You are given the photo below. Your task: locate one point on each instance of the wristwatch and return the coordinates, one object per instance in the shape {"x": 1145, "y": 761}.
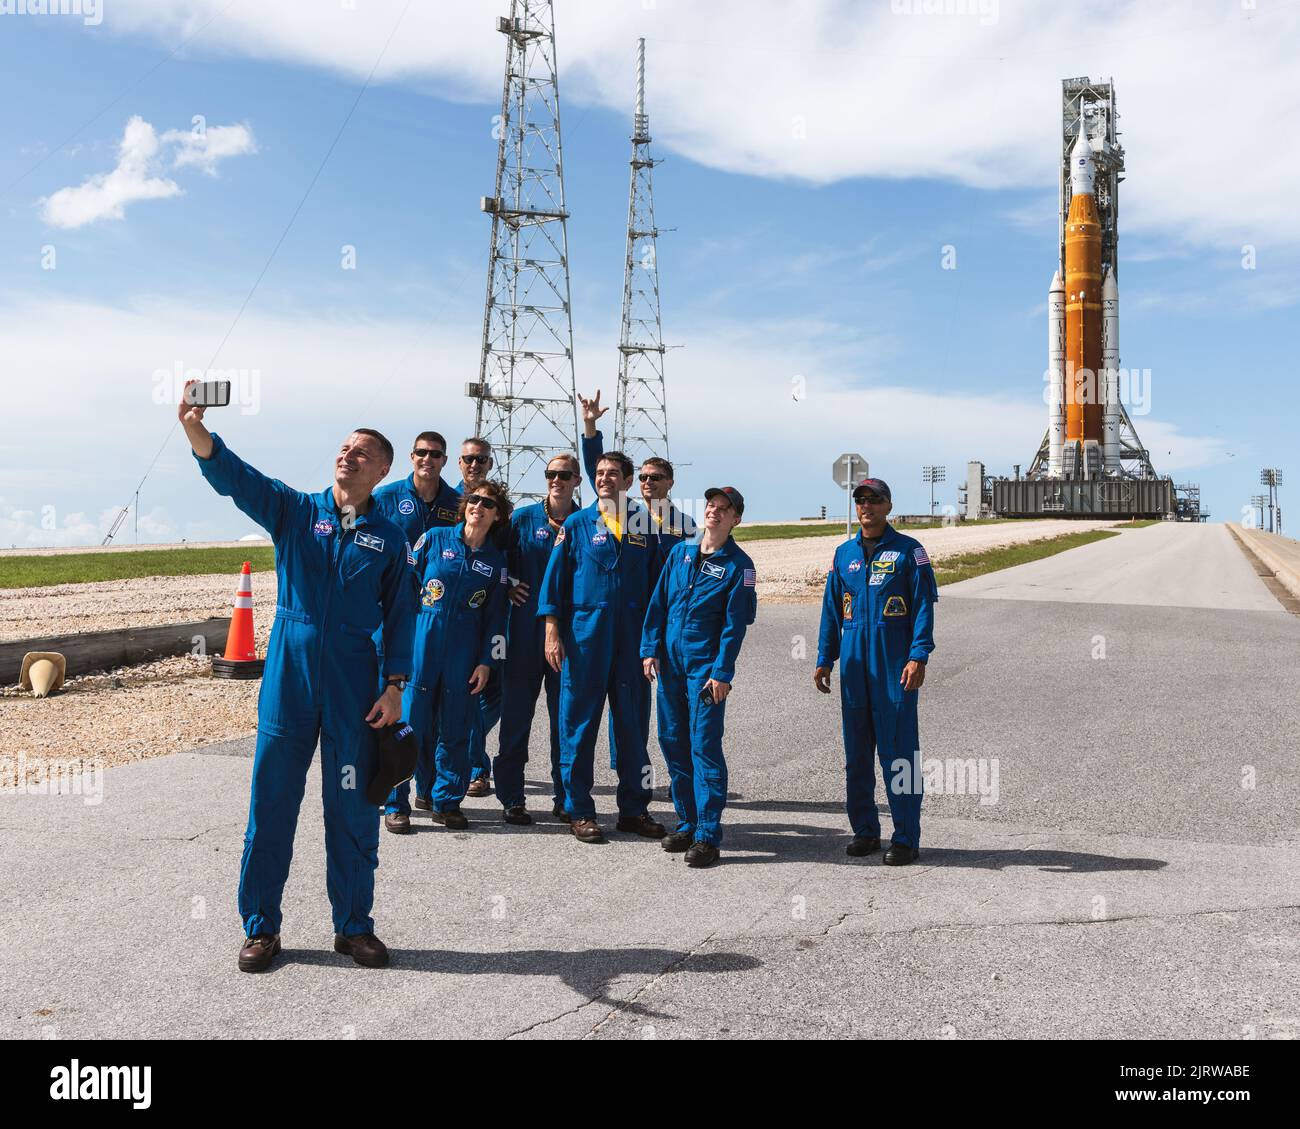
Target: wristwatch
{"x": 396, "y": 680}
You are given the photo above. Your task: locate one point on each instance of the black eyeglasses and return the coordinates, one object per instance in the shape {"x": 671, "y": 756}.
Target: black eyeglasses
{"x": 562, "y": 475}
{"x": 428, "y": 453}
{"x": 652, "y": 477}
{"x": 479, "y": 500}
{"x": 476, "y": 459}
{"x": 868, "y": 499}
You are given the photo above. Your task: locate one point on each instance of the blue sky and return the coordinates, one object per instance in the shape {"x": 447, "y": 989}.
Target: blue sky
{"x": 817, "y": 256}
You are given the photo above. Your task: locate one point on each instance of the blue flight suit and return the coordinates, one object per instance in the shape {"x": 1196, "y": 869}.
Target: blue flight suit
{"x": 672, "y": 530}
{"x": 526, "y": 670}
{"x": 461, "y": 625}
{"x": 597, "y": 586}
{"x": 339, "y": 577}
{"x": 401, "y": 503}
{"x": 878, "y": 615}
{"x": 484, "y": 719}
{"x": 694, "y": 626}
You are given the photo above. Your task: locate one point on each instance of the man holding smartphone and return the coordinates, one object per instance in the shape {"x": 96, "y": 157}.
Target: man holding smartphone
{"x": 704, "y": 601}
{"x": 342, "y": 570}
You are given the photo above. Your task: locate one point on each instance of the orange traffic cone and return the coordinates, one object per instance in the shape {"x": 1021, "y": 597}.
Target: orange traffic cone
{"x": 240, "y": 659}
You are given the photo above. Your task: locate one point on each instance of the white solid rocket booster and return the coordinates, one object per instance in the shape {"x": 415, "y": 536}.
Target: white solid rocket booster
{"x": 1055, "y": 375}
{"x": 1110, "y": 373}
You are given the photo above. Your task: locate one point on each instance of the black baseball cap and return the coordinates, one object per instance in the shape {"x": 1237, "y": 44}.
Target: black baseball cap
{"x": 734, "y": 496}
{"x": 874, "y": 486}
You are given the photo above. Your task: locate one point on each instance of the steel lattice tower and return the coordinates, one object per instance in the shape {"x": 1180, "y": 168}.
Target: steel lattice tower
{"x": 525, "y": 392}
{"x": 641, "y": 423}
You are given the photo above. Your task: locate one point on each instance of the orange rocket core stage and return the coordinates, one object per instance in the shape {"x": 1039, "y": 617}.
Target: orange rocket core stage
{"x": 1082, "y": 320}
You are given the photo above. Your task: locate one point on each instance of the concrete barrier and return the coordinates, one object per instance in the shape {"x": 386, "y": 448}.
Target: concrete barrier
{"x": 1280, "y": 555}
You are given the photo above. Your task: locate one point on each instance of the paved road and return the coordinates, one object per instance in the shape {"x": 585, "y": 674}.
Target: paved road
{"x": 1124, "y": 883}
{"x": 1171, "y": 565}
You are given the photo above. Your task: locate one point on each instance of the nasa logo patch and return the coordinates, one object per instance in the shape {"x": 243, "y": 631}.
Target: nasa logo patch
{"x": 600, "y": 538}
{"x": 323, "y": 528}
{"x": 541, "y": 534}
{"x": 855, "y": 566}
{"x": 449, "y": 554}
{"x": 406, "y": 506}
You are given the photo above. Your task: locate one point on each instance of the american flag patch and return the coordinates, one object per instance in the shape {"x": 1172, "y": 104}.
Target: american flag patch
{"x": 410, "y": 556}
{"x": 918, "y": 554}
{"x": 749, "y": 578}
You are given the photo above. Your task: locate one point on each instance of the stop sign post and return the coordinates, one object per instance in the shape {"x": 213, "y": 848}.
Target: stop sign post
{"x": 847, "y": 471}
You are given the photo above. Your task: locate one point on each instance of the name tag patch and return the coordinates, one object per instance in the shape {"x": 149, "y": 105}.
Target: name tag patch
{"x": 882, "y": 565}
{"x": 370, "y": 541}
{"x": 446, "y": 515}
{"x": 636, "y": 539}
{"x": 485, "y": 569}
{"x": 711, "y": 569}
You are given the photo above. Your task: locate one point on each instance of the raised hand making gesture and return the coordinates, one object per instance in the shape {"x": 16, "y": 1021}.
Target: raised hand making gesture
{"x": 591, "y": 412}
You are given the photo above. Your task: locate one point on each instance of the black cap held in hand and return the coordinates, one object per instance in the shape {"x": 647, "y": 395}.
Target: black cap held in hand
{"x": 395, "y": 751}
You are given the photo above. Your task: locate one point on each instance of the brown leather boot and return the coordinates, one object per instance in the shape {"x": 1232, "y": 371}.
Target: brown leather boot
{"x": 397, "y": 823}
{"x": 587, "y": 831}
{"x": 479, "y": 787}
{"x": 641, "y": 825}
{"x": 364, "y": 948}
{"x": 258, "y": 952}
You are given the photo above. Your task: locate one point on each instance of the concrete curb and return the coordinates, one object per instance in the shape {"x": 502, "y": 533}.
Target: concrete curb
{"x": 1272, "y": 565}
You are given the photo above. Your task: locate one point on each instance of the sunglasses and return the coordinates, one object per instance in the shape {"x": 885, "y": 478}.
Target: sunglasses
{"x": 428, "y": 453}
{"x": 652, "y": 477}
{"x": 475, "y": 459}
{"x": 562, "y": 475}
{"x": 868, "y": 499}
{"x": 479, "y": 500}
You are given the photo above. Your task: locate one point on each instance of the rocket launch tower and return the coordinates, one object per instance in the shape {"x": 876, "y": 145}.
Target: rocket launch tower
{"x": 1091, "y": 461}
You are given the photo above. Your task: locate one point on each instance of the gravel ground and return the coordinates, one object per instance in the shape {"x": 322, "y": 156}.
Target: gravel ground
{"x": 136, "y": 712}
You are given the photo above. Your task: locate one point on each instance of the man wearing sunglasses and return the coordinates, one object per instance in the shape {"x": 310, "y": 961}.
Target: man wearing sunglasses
{"x": 656, "y": 516}
{"x": 341, "y": 571}
{"x": 421, "y": 501}
{"x": 534, "y": 534}
{"x": 475, "y": 463}
{"x": 593, "y": 597}
{"x": 878, "y": 619}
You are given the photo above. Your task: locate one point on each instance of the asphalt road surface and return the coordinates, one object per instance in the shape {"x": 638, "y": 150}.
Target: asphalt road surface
{"x": 1130, "y": 870}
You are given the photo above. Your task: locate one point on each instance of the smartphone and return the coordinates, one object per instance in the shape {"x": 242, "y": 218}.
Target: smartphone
{"x": 706, "y": 697}
{"x": 208, "y": 394}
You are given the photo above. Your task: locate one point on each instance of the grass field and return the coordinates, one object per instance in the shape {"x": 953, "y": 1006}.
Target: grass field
{"x": 969, "y": 565}
{"x": 1142, "y": 524}
{"x": 81, "y": 568}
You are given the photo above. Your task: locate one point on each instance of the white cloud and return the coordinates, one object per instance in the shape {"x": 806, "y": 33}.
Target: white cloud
{"x": 138, "y": 174}
{"x": 821, "y": 90}
{"x": 106, "y": 195}
{"x": 205, "y": 147}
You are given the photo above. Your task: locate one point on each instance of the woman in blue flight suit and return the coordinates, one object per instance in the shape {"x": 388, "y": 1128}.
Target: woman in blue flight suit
{"x": 459, "y": 638}
{"x": 878, "y": 619}
{"x": 705, "y": 600}
{"x": 534, "y": 531}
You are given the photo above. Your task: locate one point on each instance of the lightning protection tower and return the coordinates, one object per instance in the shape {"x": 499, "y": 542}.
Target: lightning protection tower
{"x": 525, "y": 392}
{"x": 641, "y": 423}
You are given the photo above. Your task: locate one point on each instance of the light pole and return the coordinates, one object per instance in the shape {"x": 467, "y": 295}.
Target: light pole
{"x": 933, "y": 474}
{"x": 1258, "y": 501}
{"x": 1272, "y": 478}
